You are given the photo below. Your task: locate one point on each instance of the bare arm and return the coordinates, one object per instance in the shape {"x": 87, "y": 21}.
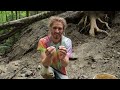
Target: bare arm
{"x": 45, "y": 60}
{"x": 46, "y": 56}
{"x": 62, "y": 55}
{"x": 65, "y": 61}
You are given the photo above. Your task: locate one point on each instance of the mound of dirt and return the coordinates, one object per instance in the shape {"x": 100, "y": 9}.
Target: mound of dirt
{"x": 96, "y": 56}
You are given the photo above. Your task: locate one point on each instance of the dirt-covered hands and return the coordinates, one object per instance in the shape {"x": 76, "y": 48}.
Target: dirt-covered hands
{"x": 62, "y": 52}
{"x": 50, "y": 51}
{"x": 62, "y": 55}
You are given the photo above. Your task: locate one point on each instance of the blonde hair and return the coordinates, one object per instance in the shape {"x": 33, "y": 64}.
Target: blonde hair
{"x": 59, "y": 19}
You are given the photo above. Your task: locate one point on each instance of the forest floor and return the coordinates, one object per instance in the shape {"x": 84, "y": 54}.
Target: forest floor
{"x": 95, "y": 55}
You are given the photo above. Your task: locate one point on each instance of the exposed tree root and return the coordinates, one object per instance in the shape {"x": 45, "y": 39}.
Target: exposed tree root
{"x": 93, "y": 24}
{"x": 104, "y": 23}
{"x": 84, "y": 21}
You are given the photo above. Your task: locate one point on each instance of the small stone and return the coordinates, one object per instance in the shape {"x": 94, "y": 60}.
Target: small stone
{"x": 0, "y": 57}
{"x": 74, "y": 56}
{"x": 118, "y": 53}
{"x": 1, "y": 71}
{"x": 39, "y": 67}
{"x": 105, "y": 61}
{"x": 107, "y": 58}
{"x": 82, "y": 77}
{"x": 81, "y": 65}
{"x": 98, "y": 56}
{"x": 20, "y": 78}
{"x": 73, "y": 66}
{"x": 93, "y": 66}
{"x": 22, "y": 75}
{"x": 28, "y": 73}
{"x": 118, "y": 66}
{"x": 16, "y": 63}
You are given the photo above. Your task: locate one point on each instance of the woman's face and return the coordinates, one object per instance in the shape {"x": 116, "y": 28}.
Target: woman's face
{"x": 57, "y": 30}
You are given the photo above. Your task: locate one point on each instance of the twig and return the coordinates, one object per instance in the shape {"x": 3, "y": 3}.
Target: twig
{"x": 16, "y": 73}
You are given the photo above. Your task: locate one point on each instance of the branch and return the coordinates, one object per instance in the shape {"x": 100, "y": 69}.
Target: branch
{"x": 13, "y": 75}
{"x": 104, "y": 23}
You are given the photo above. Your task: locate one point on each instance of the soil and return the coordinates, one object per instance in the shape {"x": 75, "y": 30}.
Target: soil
{"x": 100, "y": 54}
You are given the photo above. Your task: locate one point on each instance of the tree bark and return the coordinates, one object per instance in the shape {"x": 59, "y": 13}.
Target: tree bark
{"x": 16, "y": 15}
{"x": 1, "y": 16}
{"x": 6, "y": 16}
{"x": 12, "y": 15}
{"x": 27, "y": 13}
{"x": 11, "y": 33}
{"x": 19, "y": 16}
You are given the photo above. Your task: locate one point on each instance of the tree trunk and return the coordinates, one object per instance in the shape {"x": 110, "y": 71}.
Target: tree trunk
{"x": 27, "y": 13}
{"x": 29, "y": 20}
{"x": 12, "y": 15}
{"x": 6, "y": 16}
{"x": 1, "y": 17}
{"x": 19, "y": 16}
{"x": 16, "y": 15}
